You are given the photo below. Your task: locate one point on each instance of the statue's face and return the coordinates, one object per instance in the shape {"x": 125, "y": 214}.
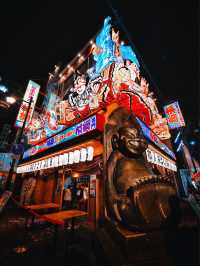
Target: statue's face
{"x": 131, "y": 141}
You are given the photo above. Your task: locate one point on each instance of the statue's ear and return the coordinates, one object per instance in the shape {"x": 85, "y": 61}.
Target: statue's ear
{"x": 114, "y": 141}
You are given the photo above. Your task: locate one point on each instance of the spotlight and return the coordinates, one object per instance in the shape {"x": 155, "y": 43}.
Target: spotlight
{"x": 192, "y": 142}
{"x": 3, "y": 88}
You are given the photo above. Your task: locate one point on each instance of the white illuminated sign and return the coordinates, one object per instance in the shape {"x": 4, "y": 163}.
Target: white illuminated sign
{"x": 31, "y": 93}
{"x": 156, "y": 158}
{"x": 83, "y": 155}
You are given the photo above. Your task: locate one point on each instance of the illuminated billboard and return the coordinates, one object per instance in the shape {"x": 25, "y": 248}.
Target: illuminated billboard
{"x": 174, "y": 115}
{"x": 150, "y": 135}
{"x": 108, "y": 73}
{"x": 31, "y": 93}
{"x": 86, "y": 126}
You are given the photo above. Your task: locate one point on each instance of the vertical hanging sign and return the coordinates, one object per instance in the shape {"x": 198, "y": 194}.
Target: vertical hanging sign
{"x": 174, "y": 115}
{"x": 31, "y": 92}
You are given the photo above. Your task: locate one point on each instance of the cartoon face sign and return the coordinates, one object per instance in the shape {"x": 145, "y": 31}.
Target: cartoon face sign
{"x": 80, "y": 85}
{"x": 124, "y": 74}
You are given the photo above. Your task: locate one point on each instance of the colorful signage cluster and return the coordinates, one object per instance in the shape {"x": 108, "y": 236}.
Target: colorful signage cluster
{"x": 114, "y": 76}
{"x": 82, "y": 155}
{"x": 158, "y": 159}
{"x": 84, "y": 127}
{"x": 31, "y": 94}
{"x": 174, "y": 115}
{"x": 155, "y": 139}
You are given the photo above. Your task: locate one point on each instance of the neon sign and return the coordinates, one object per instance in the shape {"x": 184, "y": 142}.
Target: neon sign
{"x": 113, "y": 76}
{"x": 174, "y": 115}
{"x": 88, "y": 125}
{"x": 158, "y": 159}
{"x": 31, "y": 93}
{"x": 155, "y": 139}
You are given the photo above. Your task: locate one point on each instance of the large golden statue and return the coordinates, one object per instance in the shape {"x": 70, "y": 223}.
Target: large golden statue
{"x": 136, "y": 196}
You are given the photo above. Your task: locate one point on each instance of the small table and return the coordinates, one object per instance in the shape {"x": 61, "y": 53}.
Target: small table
{"x": 61, "y": 217}
{"x": 42, "y": 206}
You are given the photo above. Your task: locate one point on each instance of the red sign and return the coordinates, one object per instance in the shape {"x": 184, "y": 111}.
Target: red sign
{"x": 31, "y": 93}
{"x": 174, "y": 115}
{"x": 196, "y": 176}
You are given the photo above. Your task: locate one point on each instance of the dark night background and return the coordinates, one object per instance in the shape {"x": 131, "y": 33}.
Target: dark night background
{"x": 35, "y": 35}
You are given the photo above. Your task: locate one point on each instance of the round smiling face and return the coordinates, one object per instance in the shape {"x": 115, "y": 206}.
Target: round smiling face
{"x": 80, "y": 85}
{"x": 131, "y": 141}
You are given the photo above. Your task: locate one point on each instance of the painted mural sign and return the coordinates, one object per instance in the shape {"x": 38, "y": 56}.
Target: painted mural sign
{"x": 174, "y": 115}
{"x": 31, "y": 93}
{"x": 84, "y": 127}
{"x": 113, "y": 76}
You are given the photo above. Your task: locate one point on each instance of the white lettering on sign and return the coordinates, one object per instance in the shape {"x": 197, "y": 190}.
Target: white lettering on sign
{"x": 82, "y": 155}
{"x": 158, "y": 159}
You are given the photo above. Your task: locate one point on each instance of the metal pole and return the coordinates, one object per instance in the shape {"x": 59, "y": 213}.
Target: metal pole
{"x": 17, "y": 141}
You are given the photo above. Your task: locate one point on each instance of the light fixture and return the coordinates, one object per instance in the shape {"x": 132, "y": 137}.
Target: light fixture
{"x": 10, "y": 99}
{"x": 3, "y": 88}
{"x": 122, "y": 43}
{"x": 75, "y": 175}
{"x": 91, "y": 42}
{"x": 192, "y": 142}
{"x": 79, "y": 55}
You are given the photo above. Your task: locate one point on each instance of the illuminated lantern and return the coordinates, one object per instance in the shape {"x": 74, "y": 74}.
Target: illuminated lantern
{"x": 65, "y": 158}
{"x": 56, "y": 158}
{"x": 71, "y": 157}
{"x": 83, "y": 155}
{"x": 61, "y": 157}
{"x": 46, "y": 164}
{"x": 76, "y": 156}
{"x": 90, "y": 153}
{"x": 39, "y": 165}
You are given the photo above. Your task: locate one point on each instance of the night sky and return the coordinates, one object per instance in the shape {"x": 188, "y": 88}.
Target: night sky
{"x": 35, "y": 35}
